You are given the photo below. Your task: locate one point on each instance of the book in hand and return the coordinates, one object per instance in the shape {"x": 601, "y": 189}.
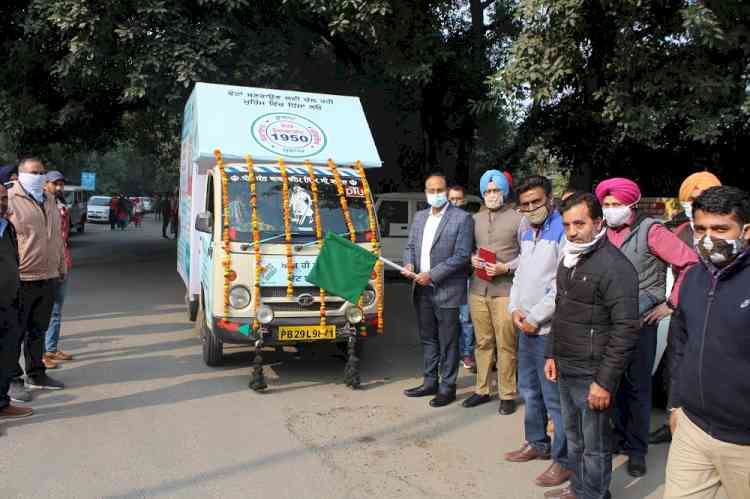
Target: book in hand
{"x": 486, "y": 256}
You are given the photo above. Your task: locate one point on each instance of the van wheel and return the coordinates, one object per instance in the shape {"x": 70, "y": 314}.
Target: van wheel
{"x": 213, "y": 349}
{"x": 343, "y": 348}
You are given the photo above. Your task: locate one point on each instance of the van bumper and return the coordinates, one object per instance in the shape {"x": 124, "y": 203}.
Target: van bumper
{"x": 230, "y": 331}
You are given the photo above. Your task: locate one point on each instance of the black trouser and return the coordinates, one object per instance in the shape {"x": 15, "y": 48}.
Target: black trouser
{"x": 10, "y": 334}
{"x": 632, "y": 415}
{"x": 36, "y": 299}
{"x": 438, "y": 330}
{"x": 164, "y": 225}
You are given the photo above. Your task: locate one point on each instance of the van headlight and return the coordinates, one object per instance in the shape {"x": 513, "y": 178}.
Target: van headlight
{"x": 239, "y": 297}
{"x": 368, "y": 297}
{"x": 264, "y": 314}
{"x": 354, "y": 315}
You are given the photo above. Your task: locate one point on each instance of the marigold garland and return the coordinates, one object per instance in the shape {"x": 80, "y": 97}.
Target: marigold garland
{"x": 227, "y": 260}
{"x": 318, "y": 233}
{"x": 342, "y": 201}
{"x": 287, "y": 229}
{"x": 251, "y": 182}
{"x": 375, "y": 246}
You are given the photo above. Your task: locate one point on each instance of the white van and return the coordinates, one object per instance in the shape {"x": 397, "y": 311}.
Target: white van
{"x": 97, "y": 209}
{"x": 395, "y": 213}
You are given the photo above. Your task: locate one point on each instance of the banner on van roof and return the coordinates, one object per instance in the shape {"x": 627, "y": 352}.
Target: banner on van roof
{"x": 272, "y": 124}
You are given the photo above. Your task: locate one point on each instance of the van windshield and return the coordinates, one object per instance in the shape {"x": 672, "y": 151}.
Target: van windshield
{"x": 302, "y": 226}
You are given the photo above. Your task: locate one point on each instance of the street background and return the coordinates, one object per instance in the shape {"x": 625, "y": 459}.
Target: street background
{"x": 142, "y": 416}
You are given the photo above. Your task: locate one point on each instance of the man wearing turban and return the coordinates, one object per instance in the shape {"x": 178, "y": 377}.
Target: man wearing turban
{"x": 650, "y": 247}
{"x": 682, "y": 226}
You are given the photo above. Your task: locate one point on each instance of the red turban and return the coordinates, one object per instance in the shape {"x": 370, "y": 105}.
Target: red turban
{"x": 624, "y": 190}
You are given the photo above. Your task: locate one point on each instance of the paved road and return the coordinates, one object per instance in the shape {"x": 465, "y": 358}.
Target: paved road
{"x": 143, "y": 417}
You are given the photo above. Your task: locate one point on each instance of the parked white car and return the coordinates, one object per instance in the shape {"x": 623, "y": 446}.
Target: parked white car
{"x": 97, "y": 210}
{"x": 396, "y": 210}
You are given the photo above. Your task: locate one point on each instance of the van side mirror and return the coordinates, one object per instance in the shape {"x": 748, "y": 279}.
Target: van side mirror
{"x": 204, "y": 222}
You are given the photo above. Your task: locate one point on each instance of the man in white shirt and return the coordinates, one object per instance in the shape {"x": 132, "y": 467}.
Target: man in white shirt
{"x": 437, "y": 259}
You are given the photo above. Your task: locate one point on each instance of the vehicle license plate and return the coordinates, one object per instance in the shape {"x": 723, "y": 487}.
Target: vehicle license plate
{"x": 306, "y": 333}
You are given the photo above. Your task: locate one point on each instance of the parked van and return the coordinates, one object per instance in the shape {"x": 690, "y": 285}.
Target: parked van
{"x": 97, "y": 209}
{"x": 75, "y": 198}
{"x": 222, "y": 287}
{"x": 395, "y": 213}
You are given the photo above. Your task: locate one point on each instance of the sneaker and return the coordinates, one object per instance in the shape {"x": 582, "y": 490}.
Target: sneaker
{"x": 60, "y": 356}
{"x": 43, "y": 382}
{"x": 468, "y": 362}
{"x": 49, "y": 361}
{"x": 18, "y": 392}
{"x": 15, "y": 412}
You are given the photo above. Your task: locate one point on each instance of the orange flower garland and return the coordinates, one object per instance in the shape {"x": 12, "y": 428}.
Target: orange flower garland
{"x": 318, "y": 233}
{"x": 287, "y": 229}
{"x": 256, "y": 234}
{"x": 375, "y": 245}
{"x": 227, "y": 262}
{"x": 343, "y": 202}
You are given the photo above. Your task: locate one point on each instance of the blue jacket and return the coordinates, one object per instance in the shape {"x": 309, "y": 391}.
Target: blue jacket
{"x": 450, "y": 254}
{"x": 710, "y": 340}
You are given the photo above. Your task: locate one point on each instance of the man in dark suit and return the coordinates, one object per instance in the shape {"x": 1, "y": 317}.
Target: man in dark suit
{"x": 437, "y": 258}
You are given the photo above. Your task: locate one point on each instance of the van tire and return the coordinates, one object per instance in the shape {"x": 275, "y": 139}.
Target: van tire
{"x": 213, "y": 348}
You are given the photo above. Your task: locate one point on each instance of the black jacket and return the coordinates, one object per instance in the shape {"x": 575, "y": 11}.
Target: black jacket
{"x": 596, "y": 325}
{"x": 710, "y": 340}
{"x": 9, "y": 276}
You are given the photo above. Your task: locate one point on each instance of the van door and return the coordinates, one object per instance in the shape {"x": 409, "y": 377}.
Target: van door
{"x": 206, "y": 255}
{"x": 393, "y": 218}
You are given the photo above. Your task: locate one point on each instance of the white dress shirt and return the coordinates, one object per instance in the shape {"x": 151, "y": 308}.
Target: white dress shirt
{"x": 428, "y": 237}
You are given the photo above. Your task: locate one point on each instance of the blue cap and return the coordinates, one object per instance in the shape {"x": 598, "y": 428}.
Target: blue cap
{"x": 54, "y": 176}
{"x": 494, "y": 176}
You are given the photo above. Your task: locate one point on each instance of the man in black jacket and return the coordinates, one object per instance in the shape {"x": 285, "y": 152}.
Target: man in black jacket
{"x": 710, "y": 341}
{"x": 10, "y": 327}
{"x": 594, "y": 330}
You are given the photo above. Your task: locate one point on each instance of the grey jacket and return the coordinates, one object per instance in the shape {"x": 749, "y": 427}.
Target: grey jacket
{"x": 450, "y": 254}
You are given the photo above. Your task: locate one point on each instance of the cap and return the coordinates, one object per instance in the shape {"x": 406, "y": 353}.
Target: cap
{"x": 54, "y": 176}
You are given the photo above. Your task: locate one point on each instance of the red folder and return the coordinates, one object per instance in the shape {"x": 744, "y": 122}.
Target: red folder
{"x": 487, "y": 256}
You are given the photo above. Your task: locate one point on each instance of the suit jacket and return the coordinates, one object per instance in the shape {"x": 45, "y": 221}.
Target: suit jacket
{"x": 450, "y": 254}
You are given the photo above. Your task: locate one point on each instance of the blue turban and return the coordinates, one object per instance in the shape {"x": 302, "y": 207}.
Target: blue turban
{"x": 494, "y": 176}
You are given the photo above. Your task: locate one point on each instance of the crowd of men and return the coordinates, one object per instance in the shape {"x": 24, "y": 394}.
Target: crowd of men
{"x": 564, "y": 299}
{"x": 35, "y": 264}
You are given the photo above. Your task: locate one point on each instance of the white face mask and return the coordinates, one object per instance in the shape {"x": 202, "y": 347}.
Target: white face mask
{"x": 617, "y": 215}
{"x": 688, "y": 209}
{"x": 493, "y": 201}
{"x": 33, "y": 184}
{"x": 437, "y": 200}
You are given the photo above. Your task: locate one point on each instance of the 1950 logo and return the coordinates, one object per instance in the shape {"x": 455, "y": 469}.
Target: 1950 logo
{"x": 289, "y": 135}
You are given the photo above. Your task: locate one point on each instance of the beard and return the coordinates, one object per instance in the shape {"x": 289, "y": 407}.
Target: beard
{"x": 493, "y": 204}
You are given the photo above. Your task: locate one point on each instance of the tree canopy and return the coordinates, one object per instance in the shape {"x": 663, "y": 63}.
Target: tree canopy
{"x": 594, "y": 86}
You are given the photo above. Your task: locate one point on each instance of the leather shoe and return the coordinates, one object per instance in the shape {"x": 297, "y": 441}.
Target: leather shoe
{"x": 420, "y": 391}
{"x": 475, "y": 400}
{"x": 637, "y": 466}
{"x": 554, "y": 476}
{"x": 11, "y": 411}
{"x": 564, "y": 493}
{"x": 661, "y": 436}
{"x": 507, "y": 407}
{"x": 525, "y": 454}
{"x": 442, "y": 399}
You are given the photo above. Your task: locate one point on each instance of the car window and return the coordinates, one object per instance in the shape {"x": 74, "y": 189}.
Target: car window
{"x": 393, "y": 217}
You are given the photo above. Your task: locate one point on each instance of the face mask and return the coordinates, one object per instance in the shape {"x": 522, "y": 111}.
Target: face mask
{"x": 720, "y": 252}
{"x": 688, "y": 209}
{"x": 437, "y": 200}
{"x": 617, "y": 215}
{"x": 493, "y": 201}
{"x": 33, "y": 184}
{"x": 573, "y": 251}
{"x": 538, "y": 216}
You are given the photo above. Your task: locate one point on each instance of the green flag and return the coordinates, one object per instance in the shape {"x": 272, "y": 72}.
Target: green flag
{"x": 342, "y": 268}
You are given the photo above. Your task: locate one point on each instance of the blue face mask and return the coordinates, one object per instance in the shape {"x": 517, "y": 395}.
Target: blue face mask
{"x": 437, "y": 200}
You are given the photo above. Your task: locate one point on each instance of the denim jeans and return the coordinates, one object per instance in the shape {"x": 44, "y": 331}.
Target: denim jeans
{"x": 466, "y": 336}
{"x": 589, "y": 439}
{"x": 540, "y": 397}
{"x": 53, "y": 331}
